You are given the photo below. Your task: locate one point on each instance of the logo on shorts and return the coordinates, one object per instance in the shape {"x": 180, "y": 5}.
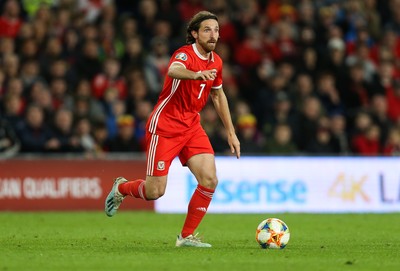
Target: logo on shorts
{"x": 160, "y": 165}
{"x": 181, "y": 56}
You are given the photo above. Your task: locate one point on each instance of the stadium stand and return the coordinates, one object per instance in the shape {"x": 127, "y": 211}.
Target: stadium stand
{"x": 302, "y": 77}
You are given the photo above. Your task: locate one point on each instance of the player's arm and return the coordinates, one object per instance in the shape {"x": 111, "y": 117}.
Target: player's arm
{"x": 221, "y": 106}
{"x": 178, "y": 71}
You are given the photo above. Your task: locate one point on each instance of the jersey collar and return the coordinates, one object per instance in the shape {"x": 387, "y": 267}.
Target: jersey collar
{"x": 199, "y": 55}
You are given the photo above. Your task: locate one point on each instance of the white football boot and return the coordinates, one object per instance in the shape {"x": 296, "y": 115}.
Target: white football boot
{"x": 114, "y": 198}
{"x": 190, "y": 241}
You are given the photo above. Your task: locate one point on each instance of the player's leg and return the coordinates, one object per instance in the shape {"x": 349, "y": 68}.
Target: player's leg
{"x": 160, "y": 153}
{"x": 150, "y": 189}
{"x": 199, "y": 157}
{"x": 203, "y": 168}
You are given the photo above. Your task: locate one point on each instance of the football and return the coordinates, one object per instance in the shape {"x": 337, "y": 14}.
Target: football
{"x": 272, "y": 233}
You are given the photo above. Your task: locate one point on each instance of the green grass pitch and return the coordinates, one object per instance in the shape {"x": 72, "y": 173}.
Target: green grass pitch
{"x": 145, "y": 241}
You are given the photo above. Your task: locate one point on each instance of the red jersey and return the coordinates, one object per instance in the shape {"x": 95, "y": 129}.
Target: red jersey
{"x": 180, "y": 101}
{"x": 8, "y": 28}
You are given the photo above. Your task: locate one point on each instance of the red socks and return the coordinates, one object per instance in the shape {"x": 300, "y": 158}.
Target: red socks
{"x": 134, "y": 188}
{"x": 197, "y": 208}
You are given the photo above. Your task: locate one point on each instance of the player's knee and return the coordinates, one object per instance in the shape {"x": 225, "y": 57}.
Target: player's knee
{"x": 154, "y": 193}
{"x": 209, "y": 182}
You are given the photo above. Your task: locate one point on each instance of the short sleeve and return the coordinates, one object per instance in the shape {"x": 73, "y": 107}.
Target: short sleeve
{"x": 218, "y": 80}
{"x": 182, "y": 58}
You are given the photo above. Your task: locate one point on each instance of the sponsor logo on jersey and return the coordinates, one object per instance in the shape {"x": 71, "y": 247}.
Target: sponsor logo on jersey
{"x": 181, "y": 56}
{"x": 160, "y": 165}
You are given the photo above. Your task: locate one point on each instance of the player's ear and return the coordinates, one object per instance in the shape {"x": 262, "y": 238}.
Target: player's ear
{"x": 194, "y": 34}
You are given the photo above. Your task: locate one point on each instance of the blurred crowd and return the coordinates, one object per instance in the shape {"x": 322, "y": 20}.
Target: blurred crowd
{"x": 302, "y": 77}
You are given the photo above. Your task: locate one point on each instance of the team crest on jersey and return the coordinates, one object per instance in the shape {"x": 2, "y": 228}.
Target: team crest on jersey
{"x": 181, "y": 56}
{"x": 160, "y": 165}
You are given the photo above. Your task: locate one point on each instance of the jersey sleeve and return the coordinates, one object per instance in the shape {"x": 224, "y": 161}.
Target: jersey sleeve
{"x": 217, "y": 84}
{"x": 181, "y": 57}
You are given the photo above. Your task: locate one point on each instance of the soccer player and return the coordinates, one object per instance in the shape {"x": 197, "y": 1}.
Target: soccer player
{"x": 174, "y": 129}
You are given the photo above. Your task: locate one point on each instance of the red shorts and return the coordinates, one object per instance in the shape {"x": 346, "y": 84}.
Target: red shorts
{"x": 162, "y": 150}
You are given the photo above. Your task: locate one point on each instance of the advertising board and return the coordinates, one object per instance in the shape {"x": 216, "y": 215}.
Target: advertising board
{"x": 292, "y": 184}
{"x": 52, "y": 185}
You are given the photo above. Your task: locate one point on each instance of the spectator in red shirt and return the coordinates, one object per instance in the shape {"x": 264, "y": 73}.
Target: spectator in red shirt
{"x": 109, "y": 78}
{"x": 367, "y": 143}
{"x": 365, "y": 135}
{"x": 10, "y": 21}
{"x": 364, "y": 37}
{"x": 249, "y": 52}
{"x": 284, "y": 45}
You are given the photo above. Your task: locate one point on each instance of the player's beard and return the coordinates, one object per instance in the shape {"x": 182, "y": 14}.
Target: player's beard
{"x": 208, "y": 46}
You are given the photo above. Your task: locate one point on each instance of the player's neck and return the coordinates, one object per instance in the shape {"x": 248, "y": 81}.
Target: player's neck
{"x": 202, "y": 52}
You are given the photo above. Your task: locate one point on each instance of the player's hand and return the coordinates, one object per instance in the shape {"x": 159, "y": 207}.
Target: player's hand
{"x": 206, "y": 75}
{"x": 234, "y": 144}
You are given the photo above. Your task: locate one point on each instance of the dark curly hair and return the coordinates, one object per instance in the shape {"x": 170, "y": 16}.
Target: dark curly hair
{"x": 194, "y": 24}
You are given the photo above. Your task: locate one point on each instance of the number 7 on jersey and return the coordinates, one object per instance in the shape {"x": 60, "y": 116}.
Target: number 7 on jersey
{"x": 202, "y": 86}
